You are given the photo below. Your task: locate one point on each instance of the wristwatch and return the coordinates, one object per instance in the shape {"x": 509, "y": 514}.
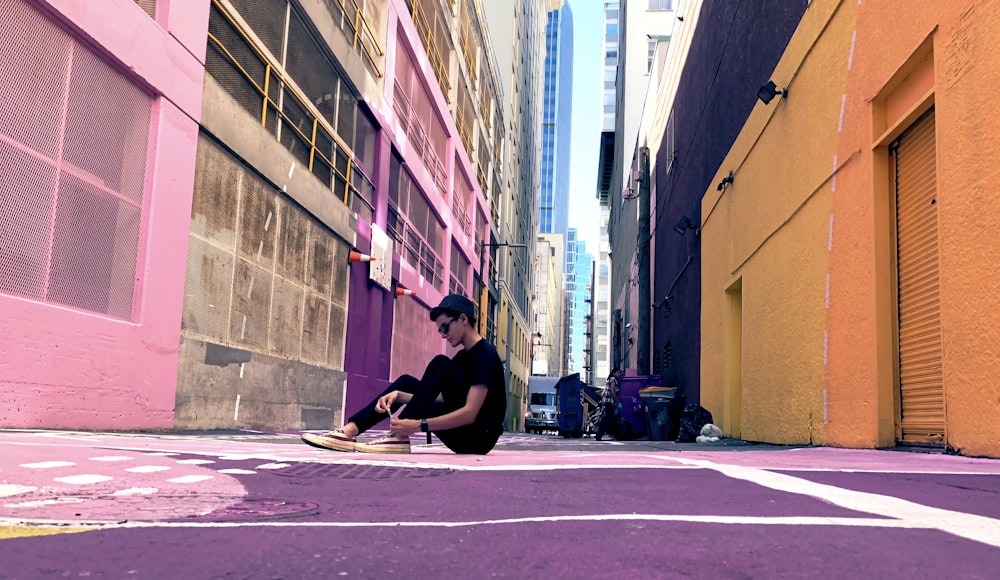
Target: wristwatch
{"x": 423, "y": 426}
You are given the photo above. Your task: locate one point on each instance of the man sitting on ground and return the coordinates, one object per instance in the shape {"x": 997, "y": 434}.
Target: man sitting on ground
{"x": 463, "y": 400}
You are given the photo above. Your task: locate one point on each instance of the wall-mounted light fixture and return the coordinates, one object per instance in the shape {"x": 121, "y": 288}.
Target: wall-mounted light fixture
{"x": 683, "y": 225}
{"x": 770, "y": 90}
{"x": 727, "y": 180}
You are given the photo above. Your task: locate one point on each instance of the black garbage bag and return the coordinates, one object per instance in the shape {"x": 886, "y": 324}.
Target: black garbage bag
{"x": 693, "y": 419}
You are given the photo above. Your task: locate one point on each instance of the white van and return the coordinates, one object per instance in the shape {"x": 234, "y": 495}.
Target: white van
{"x": 541, "y": 415}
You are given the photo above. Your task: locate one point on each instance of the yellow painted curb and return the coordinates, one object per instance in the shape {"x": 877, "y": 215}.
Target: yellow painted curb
{"x": 8, "y": 532}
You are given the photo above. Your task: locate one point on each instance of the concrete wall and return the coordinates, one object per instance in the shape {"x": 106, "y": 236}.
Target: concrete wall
{"x": 809, "y": 235}
{"x": 64, "y": 367}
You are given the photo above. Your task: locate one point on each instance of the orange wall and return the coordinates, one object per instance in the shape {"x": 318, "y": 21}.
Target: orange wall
{"x": 960, "y": 79}
{"x": 806, "y": 229}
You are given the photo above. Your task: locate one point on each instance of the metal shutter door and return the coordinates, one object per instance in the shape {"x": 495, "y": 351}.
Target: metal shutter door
{"x": 921, "y": 384}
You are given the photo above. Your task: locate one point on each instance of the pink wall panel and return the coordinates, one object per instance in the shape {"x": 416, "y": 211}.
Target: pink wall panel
{"x": 66, "y": 367}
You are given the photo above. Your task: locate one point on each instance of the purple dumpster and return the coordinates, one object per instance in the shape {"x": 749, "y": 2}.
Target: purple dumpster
{"x": 632, "y": 408}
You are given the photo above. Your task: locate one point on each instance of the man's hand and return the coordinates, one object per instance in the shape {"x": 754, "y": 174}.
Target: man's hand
{"x": 385, "y": 402}
{"x": 404, "y": 427}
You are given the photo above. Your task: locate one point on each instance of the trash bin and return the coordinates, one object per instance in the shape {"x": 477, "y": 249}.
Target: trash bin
{"x": 656, "y": 402}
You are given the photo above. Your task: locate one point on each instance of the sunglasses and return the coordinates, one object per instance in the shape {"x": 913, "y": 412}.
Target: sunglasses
{"x": 443, "y": 329}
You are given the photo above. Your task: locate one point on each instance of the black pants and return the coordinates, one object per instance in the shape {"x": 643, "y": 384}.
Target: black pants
{"x": 441, "y": 390}
{"x": 607, "y": 422}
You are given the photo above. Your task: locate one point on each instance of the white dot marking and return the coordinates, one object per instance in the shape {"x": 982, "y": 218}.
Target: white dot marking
{"x": 84, "y": 479}
{"x": 237, "y": 471}
{"x": 9, "y": 489}
{"x": 273, "y": 466}
{"x": 48, "y": 464}
{"x": 148, "y": 469}
{"x": 136, "y": 491}
{"x": 190, "y": 478}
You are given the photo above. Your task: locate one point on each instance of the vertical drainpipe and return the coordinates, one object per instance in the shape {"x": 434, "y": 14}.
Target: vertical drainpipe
{"x": 645, "y": 302}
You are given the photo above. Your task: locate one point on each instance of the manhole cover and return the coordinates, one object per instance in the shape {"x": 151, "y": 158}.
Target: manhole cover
{"x": 261, "y": 509}
{"x": 360, "y": 471}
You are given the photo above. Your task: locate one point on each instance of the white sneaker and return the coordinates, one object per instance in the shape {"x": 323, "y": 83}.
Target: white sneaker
{"x": 336, "y": 440}
{"x": 387, "y": 444}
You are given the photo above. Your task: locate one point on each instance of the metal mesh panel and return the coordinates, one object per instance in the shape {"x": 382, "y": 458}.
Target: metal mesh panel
{"x": 413, "y": 343}
{"x": 285, "y": 335}
{"x": 267, "y": 20}
{"x": 257, "y": 221}
{"x": 33, "y": 71}
{"x": 94, "y": 249}
{"x": 24, "y": 220}
{"x": 315, "y": 328}
{"x": 322, "y": 249}
{"x": 338, "y": 323}
{"x": 226, "y": 73}
{"x": 267, "y": 285}
{"x": 208, "y": 289}
{"x": 251, "y": 306}
{"x": 149, "y": 6}
{"x": 68, "y": 120}
{"x": 293, "y": 243}
{"x": 313, "y": 73}
{"x": 217, "y": 181}
{"x": 107, "y": 126}
{"x": 340, "y": 274}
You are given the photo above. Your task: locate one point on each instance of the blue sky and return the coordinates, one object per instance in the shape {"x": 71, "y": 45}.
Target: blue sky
{"x": 584, "y": 214}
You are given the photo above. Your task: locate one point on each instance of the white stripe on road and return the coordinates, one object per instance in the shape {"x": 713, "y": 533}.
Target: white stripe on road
{"x": 740, "y": 520}
{"x": 969, "y": 526}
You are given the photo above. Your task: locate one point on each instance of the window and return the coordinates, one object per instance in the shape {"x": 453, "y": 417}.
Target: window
{"x": 661, "y": 4}
{"x": 650, "y": 56}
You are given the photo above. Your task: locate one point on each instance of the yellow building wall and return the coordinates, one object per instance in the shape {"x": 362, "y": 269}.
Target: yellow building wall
{"x": 805, "y": 230}
{"x": 768, "y": 232}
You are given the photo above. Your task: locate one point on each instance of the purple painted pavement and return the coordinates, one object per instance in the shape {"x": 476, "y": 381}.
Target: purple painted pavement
{"x": 974, "y": 494}
{"x": 408, "y": 494}
{"x": 550, "y": 549}
{"x": 284, "y": 501}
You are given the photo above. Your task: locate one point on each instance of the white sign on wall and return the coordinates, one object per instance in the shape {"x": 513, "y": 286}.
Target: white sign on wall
{"x": 380, "y": 271}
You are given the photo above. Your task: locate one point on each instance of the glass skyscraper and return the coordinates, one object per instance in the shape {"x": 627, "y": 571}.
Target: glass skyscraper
{"x": 553, "y": 215}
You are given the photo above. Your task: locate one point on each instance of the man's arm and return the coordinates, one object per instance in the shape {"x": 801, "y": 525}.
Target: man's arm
{"x": 457, "y": 418}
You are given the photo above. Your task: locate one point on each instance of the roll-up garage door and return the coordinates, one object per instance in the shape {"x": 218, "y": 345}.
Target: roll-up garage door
{"x": 922, "y": 406}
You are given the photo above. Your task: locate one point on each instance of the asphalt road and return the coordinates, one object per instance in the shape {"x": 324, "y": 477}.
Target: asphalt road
{"x": 248, "y": 505}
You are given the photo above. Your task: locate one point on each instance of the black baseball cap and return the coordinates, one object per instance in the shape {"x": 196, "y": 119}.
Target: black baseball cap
{"x": 455, "y": 303}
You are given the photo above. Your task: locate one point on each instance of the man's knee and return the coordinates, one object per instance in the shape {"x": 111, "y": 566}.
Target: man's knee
{"x": 439, "y": 360}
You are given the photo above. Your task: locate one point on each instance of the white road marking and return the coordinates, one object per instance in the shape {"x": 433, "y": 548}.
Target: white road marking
{"x": 44, "y": 502}
{"x": 237, "y": 471}
{"x": 969, "y": 526}
{"x": 190, "y": 478}
{"x": 195, "y": 461}
{"x": 162, "y": 454}
{"x": 48, "y": 464}
{"x": 83, "y": 479}
{"x": 10, "y": 489}
{"x": 148, "y": 469}
{"x": 741, "y": 520}
{"x": 273, "y": 466}
{"x": 111, "y": 458}
{"x": 136, "y": 491}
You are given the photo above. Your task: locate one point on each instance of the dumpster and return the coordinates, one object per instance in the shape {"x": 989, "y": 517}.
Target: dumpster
{"x": 656, "y": 402}
{"x": 633, "y": 413}
{"x": 575, "y": 402}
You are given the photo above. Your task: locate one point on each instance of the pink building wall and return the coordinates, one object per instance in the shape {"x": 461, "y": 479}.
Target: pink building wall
{"x": 63, "y": 367}
{"x": 401, "y": 29}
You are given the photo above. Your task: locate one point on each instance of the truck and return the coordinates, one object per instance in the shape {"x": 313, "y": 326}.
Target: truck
{"x": 541, "y": 414}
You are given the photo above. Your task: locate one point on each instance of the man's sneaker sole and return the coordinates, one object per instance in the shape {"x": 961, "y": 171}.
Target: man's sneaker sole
{"x": 383, "y": 447}
{"x": 333, "y": 443}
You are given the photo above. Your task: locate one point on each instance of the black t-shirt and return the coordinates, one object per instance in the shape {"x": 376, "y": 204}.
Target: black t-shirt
{"x": 481, "y": 366}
